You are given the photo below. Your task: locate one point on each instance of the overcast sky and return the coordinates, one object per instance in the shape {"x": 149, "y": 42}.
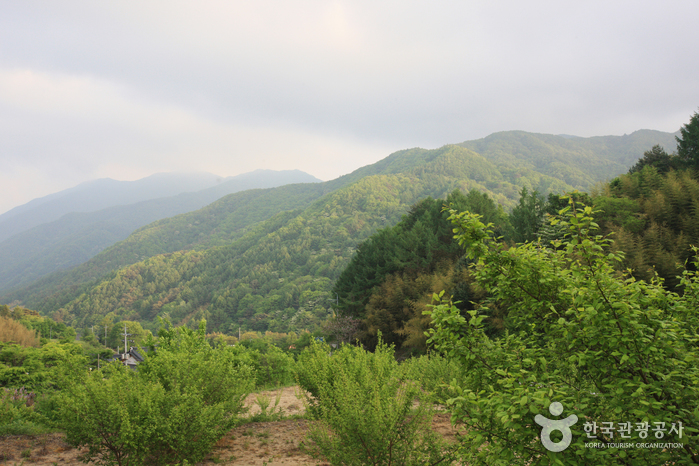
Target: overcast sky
{"x": 124, "y": 89}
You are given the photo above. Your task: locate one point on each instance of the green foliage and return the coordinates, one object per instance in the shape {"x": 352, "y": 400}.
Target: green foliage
{"x": 434, "y": 373}
{"x": 688, "y": 142}
{"x": 76, "y": 237}
{"x": 183, "y": 399}
{"x": 527, "y": 217}
{"x": 16, "y": 413}
{"x": 275, "y": 413}
{"x": 45, "y": 327}
{"x": 366, "y": 409}
{"x": 608, "y": 347}
{"x": 53, "y": 366}
{"x": 655, "y": 220}
{"x": 118, "y": 418}
{"x": 272, "y": 366}
{"x": 249, "y": 260}
{"x": 137, "y": 335}
{"x": 549, "y": 163}
{"x": 656, "y": 157}
{"x": 421, "y": 243}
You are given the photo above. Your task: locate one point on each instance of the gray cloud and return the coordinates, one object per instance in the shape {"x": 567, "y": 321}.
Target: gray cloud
{"x": 125, "y": 89}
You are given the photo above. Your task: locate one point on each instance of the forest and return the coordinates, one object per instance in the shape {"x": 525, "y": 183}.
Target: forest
{"x": 407, "y": 290}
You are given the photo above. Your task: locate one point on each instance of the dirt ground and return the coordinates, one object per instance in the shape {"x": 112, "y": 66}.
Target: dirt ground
{"x": 277, "y": 443}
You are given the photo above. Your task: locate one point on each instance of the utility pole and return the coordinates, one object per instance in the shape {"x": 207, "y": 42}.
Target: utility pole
{"x": 126, "y": 350}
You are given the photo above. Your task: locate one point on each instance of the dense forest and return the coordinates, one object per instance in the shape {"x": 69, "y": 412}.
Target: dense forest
{"x": 70, "y": 227}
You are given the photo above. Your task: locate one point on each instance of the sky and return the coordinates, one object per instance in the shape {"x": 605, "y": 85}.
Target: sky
{"x": 124, "y": 89}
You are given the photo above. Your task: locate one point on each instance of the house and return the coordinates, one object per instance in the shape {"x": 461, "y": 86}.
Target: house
{"x": 131, "y": 358}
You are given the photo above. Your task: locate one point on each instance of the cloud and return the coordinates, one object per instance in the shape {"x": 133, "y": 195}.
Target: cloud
{"x": 61, "y": 130}
{"x": 124, "y": 89}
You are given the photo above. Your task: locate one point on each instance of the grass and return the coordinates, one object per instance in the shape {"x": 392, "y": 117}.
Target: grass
{"x": 25, "y": 428}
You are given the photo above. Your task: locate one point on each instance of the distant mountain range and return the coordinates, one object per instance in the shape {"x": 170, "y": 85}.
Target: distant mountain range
{"x": 67, "y": 228}
{"x": 265, "y": 259}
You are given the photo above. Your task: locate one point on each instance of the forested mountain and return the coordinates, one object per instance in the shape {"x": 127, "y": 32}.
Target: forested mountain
{"x": 77, "y": 236}
{"x": 97, "y": 195}
{"x": 249, "y": 260}
{"x": 578, "y": 162}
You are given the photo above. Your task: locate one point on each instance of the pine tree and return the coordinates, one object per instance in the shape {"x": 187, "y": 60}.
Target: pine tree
{"x": 688, "y": 142}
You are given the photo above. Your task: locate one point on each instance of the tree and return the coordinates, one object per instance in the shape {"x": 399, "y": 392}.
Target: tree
{"x": 688, "y": 142}
{"x": 609, "y": 348}
{"x": 528, "y": 216}
{"x": 656, "y": 157}
{"x": 137, "y": 335}
{"x": 14, "y": 332}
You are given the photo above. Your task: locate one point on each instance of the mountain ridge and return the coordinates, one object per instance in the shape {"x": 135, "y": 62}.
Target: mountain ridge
{"x": 75, "y": 237}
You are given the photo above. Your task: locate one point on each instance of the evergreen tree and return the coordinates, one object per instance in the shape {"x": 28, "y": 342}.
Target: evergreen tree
{"x": 656, "y": 157}
{"x": 688, "y": 142}
{"x": 528, "y": 216}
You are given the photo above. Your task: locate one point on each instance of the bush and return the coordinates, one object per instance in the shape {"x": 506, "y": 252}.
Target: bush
{"x": 183, "y": 399}
{"x": 17, "y": 416}
{"x": 118, "y": 418}
{"x": 273, "y": 366}
{"x": 53, "y": 366}
{"x": 367, "y": 413}
{"x": 434, "y": 373}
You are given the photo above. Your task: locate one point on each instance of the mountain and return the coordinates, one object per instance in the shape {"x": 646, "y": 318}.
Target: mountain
{"x": 267, "y": 259}
{"x": 77, "y": 236}
{"x": 99, "y": 194}
{"x": 578, "y": 162}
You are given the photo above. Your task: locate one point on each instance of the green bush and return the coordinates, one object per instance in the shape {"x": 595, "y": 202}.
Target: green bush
{"x": 183, "y": 399}
{"x": 367, "y": 413}
{"x": 273, "y": 366}
{"x": 52, "y": 366}
{"x": 434, "y": 373}
{"x": 16, "y": 418}
{"x": 116, "y": 415}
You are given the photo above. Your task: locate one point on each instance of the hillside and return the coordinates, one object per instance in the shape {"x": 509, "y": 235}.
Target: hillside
{"x": 100, "y": 194}
{"x": 578, "y": 162}
{"x": 276, "y": 270}
{"x": 77, "y": 236}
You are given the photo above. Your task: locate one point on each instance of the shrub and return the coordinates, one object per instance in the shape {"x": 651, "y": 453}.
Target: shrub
{"x": 434, "y": 373}
{"x": 182, "y": 400}
{"x": 273, "y": 367}
{"x": 16, "y": 413}
{"x": 367, "y": 413}
{"x": 118, "y": 418}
